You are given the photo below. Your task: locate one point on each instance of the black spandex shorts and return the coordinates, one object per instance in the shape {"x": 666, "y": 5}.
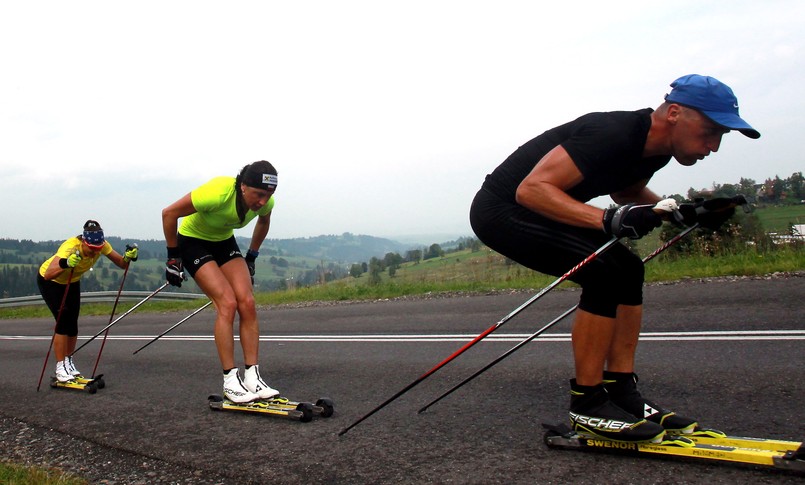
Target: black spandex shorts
{"x": 52, "y": 293}
{"x": 614, "y": 278}
{"x": 198, "y": 252}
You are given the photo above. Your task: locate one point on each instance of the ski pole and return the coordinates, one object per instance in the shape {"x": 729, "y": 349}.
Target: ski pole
{"x": 111, "y": 316}
{"x": 486, "y": 332}
{"x": 174, "y": 326}
{"x": 121, "y": 317}
{"x": 539, "y": 332}
{"x": 58, "y": 317}
{"x": 662, "y": 207}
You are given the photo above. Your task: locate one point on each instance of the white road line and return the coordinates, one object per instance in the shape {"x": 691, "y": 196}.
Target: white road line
{"x": 749, "y": 335}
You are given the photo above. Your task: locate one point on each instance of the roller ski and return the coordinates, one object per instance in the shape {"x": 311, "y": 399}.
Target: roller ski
{"x": 79, "y": 383}
{"x": 277, "y": 406}
{"x": 252, "y": 394}
{"x": 68, "y": 377}
{"x": 614, "y": 417}
{"x": 700, "y": 445}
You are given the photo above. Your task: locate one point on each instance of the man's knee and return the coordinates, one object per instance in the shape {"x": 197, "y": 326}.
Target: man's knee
{"x": 621, "y": 286}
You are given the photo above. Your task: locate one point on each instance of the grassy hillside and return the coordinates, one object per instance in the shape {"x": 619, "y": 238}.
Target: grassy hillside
{"x": 283, "y": 263}
{"x": 279, "y": 271}
{"x": 780, "y": 218}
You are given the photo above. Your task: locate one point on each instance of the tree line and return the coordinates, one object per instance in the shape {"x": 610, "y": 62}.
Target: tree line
{"x": 790, "y": 190}
{"x": 391, "y": 262}
{"x": 20, "y": 259}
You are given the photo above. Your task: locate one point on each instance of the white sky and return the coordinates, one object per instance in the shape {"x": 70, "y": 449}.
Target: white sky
{"x": 382, "y": 118}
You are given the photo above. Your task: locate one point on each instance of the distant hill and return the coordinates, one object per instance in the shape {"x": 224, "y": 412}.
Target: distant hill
{"x": 297, "y": 261}
{"x": 346, "y": 248}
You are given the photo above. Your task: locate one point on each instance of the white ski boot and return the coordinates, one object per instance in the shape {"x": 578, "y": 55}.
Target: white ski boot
{"x": 62, "y": 375}
{"x": 69, "y": 366}
{"x": 255, "y": 383}
{"x": 234, "y": 390}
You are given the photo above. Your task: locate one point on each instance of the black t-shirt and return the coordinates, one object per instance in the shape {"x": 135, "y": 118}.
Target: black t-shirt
{"x": 607, "y": 148}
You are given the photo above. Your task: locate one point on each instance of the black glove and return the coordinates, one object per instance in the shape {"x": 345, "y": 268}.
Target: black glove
{"x": 685, "y": 215}
{"x": 251, "y": 256}
{"x": 174, "y": 271}
{"x": 630, "y": 220}
{"x": 710, "y": 214}
{"x": 715, "y": 212}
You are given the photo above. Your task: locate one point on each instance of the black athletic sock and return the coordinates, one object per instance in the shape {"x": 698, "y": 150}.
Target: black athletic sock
{"x": 584, "y": 397}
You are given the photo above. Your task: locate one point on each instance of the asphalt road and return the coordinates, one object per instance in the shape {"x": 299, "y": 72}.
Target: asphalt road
{"x": 731, "y": 353}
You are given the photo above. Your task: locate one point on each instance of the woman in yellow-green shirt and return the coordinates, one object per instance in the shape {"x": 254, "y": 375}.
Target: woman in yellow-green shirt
{"x": 62, "y": 272}
{"x": 204, "y": 245}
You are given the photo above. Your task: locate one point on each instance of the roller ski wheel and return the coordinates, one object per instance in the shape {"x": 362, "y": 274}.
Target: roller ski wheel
{"x": 216, "y": 402}
{"x": 98, "y": 380}
{"x": 327, "y": 407}
{"x": 306, "y": 409}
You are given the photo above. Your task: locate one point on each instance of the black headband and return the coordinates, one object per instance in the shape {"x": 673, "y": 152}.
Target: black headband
{"x": 258, "y": 180}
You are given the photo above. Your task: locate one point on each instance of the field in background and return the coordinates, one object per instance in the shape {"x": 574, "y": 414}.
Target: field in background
{"x": 779, "y": 219}
{"x": 478, "y": 271}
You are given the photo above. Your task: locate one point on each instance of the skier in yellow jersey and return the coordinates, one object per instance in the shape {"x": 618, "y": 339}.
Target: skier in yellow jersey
{"x": 204, "y": 245}
{"x": 62, "y": 273}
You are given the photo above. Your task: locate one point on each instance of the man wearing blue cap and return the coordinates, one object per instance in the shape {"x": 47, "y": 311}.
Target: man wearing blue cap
{"x": 533, "y": 209}
{"x": 59, "y": 282}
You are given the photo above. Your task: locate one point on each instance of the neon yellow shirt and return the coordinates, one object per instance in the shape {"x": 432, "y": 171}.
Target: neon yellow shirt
{"x": 216, "y": 217}
{"x": 69, "y": 247}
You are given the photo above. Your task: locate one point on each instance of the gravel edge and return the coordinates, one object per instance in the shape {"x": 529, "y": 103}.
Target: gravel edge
{"x": 26, "y": 444}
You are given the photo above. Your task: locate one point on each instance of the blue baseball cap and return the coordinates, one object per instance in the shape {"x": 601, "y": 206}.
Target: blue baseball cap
{"x": 713, "y": 99}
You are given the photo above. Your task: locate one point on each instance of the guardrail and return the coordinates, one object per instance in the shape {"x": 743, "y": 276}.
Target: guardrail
{"x": 102, "y": 297}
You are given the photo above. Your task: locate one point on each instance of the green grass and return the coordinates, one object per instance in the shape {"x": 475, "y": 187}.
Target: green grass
{"x": 12, "y": 474}
{"x": 478, "y": 271}
{"x": 485, "y": 271}
{"x": 779, "y": 219}
{"x": 743, "y": 263}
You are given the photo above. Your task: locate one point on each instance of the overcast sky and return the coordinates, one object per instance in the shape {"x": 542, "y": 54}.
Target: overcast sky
{"x": 382, "y": 118}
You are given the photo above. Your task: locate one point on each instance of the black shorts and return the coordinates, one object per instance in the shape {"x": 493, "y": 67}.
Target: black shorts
{"x": 198, "y": 252}
{"x": 614, "y": 278}
{"x": 53, "y": 293}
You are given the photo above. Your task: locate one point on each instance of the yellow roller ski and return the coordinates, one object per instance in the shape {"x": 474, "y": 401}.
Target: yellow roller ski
{"x": 704, "y": 444}
{"x": 282, "y": 407}
{"x": 80, "y": 383}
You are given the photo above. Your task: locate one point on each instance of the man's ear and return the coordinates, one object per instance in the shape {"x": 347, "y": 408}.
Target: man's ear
{"x": 673, "y": 113}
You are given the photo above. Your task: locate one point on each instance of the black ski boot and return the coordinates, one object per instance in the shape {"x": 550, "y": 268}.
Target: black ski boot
{"x": 592, "y": 413}
{"x": 622, "y": 389}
